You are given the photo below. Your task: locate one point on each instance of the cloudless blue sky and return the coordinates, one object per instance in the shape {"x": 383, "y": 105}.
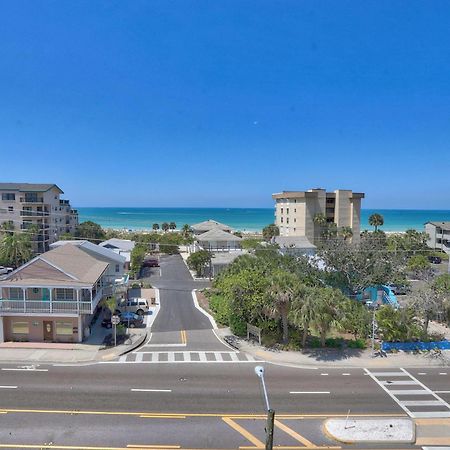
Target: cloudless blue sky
{"x": 223, "y": 102}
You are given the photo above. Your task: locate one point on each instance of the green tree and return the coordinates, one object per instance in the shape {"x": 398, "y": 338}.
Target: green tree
{"x": 251, "y": 243}
{"x": 428, "y": 304}
{"x": 302, "y": 309}
{"x": 355, "y": 319}
{"x": 270, "y": 231}
{"x": 186, "y": 231}
{"x": 7, "y": 227}
{"x": 91, "y": 231}
{"x": 420, "y": 266}
{"x": 172, "y": 226}
{"x": 397, "y": 324}
{"x": 15, "y": 249}
{"x": 281, "y": 293}
{"x": 198, "y": 261}
{"x": 345, "y": 232}
{"x": 165, "y": 226}
{"x": 155, "y": 226}
{"x": 109, "y": 304}
{"x": 376, "y": 220}
{"x": 326, "y": 312}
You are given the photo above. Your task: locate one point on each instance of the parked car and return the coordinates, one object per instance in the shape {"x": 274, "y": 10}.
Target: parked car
{"x": 134, "y": 305}
{"x": 131, "y": 320}
{"x": 5, "y": 270}
{"x": 435, "y": 259}
{"x": 150, "y": 262}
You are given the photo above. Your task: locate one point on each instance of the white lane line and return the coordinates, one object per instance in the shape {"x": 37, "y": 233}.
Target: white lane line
{"x": 442, "y": 373}
{"x": 151, "y": 390}
{"x": 139, "y": 357}
{"x": 324, "y": 374}
{"x": 8, "y": 387}
{"x": 345, "y": 374}
{"x": 165, "y": 345}
{"x": 421, "y": 373}
{"x": 388, "y": 374}
{"x": 25, "y": 370}
{"x": 218, "y": 356}
{"x": 202, "y": 356}
{"x": 442, "y": 392}
{"x": 234, "y": 357}
{"x": 309, "y": 392}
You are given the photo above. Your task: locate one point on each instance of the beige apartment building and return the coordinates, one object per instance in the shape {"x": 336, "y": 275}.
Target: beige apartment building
{"x": 295, "y": 211}
{"x": 24, "y": 205}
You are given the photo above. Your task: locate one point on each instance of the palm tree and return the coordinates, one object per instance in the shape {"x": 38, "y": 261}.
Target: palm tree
{"x": 281, "y": 293}
{"x": 6, "y": 227}
{"x": 186, "y": 231}
{"x": 325, "y": 313}
{"x": 302, "y": 310}
{"x": 376, "y": 220}
{"x": 155, "y": 226}
{"x": 346, "y": 232}
{"x": 321, "y": 220}
{"x": 165, "y": 226}
{"x": 172, "y": 225}
{"x": 15, "y": 248}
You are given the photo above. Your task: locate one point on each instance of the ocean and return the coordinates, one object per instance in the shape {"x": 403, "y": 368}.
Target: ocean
{"x": 243, "y": 219}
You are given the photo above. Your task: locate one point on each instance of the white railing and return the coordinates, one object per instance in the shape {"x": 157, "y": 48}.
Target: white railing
{"x": 39, "y": 306}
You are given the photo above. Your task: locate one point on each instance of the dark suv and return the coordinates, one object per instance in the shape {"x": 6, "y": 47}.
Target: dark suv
{"x": 150, "y": 262}
{"x": 435, "y": 259}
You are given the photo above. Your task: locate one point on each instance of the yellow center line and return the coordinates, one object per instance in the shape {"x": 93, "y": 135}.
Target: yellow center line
{"x": 153, "y": 446}
{"x": 253, "y": 439}
{"x": 159, "y": 416}
{"x": 293, "y": 434}
{"x": 183, "y": 336}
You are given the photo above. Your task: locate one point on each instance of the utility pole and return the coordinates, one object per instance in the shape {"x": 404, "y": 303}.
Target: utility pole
{"x": 373, "y": 329}
{"x": 259, "y": 370}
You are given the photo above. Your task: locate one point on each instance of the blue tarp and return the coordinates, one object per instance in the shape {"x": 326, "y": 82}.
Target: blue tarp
{"x": 411, "y": 346}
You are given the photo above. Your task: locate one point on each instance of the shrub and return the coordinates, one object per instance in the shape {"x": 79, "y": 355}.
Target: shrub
{"x": 357, "y": 343}
{"x": 314, "y": 342}
{"x": 237, "y": 325}
{"x": 334, "y": 342}
{"x": 221, "y": 309}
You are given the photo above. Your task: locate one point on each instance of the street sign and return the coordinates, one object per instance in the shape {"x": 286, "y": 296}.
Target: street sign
{"x": 115, "y": 320}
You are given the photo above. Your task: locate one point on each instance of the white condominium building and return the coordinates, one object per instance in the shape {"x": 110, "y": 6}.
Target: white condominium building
{"x": 24, "y": 205}
{"x": 295, "y": 211}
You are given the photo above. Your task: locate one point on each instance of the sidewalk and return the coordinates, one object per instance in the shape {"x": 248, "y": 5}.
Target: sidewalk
{"x": 42, "y": 352}
{"x": 333, "y": 358}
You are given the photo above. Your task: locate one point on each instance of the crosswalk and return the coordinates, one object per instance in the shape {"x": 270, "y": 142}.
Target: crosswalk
{"x": 416, "y": 399}
{"x": 184, "y": 357}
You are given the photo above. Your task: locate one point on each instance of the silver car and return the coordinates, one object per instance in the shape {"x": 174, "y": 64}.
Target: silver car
{"x": 134, "y": 305}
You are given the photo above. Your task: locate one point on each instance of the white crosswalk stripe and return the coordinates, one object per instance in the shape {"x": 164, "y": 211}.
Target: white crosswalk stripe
{"x": 412, "y": 399}
{"x": 182, "y": 357}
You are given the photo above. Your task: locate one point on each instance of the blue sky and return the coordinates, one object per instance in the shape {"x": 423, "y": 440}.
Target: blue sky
{"x": 221, "y": 103}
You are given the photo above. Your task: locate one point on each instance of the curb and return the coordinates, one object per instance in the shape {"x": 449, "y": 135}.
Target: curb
{"x": 110, "y": 356}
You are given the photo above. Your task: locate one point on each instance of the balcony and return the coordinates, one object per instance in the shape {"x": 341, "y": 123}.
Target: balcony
{"x": 32, "y": 199}
{"x": 34, "y": 213}
{"x": 44, "y": 306}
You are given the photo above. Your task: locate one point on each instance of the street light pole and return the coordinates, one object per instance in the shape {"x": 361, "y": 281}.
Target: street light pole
{"x": 259, "y": 370}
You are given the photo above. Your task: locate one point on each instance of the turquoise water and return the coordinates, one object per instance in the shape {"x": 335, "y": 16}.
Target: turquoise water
{"x": 244, "y": 219}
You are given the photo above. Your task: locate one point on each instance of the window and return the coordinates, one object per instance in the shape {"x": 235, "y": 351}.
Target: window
{"x": 64, "y": 294}
{"x": 295, "y": 220}
{"x": 117, "y": 268}
{"x": 8, "y": 196}
{"x": 287, "y": 220}
{"x": 287, "y": 210}
{"x": 281, "y": 210}
{"x": 15, "y": 294}
{"x": 295, "y": 210}
{"x": 281, "y": 220}
{"x": 20, "y": 327}
{"x": 64, "y": 328}
{"x": 11, "y": 209}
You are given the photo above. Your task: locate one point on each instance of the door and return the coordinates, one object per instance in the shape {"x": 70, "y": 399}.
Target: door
{"x": 48, "y": 330}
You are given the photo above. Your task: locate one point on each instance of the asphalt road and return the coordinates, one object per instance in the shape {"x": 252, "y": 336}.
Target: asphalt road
{"x": 204, "y": 405}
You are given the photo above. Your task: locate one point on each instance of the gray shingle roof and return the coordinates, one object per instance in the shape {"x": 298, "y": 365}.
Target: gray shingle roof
{"x": 216, "y": 234}
{"x": 443, "y": 225}
{"x": 209, "y": 225}
{"x": 28, "y": 187}
{"x": 294, "y": 242}
{"x": 122, "y": 244}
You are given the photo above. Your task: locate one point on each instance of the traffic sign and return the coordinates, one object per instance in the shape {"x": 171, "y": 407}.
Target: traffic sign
{"x": 115, "y": 320}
